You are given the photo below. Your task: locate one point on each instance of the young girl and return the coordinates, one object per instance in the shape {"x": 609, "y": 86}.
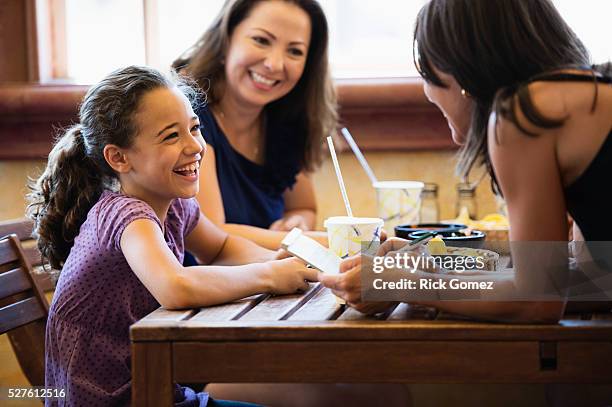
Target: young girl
{"x": 271, "y": 103}
{"x": 520, "y": 96}
{"x": 114, "y": 211}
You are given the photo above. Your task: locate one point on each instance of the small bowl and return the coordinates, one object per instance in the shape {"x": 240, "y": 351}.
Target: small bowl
{"x": 474, "y": 239}
{"x": 404, "y": 231}
{"x": 491, "y": 258}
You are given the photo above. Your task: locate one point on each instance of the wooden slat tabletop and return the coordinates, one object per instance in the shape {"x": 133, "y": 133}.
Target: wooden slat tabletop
{"x": 316, "y": 315}
{"x": 310, "y": 337}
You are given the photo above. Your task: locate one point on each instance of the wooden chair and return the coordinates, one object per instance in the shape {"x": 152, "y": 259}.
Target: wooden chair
{"x": 22, "y": 227}
{"x": 23, "y": 309}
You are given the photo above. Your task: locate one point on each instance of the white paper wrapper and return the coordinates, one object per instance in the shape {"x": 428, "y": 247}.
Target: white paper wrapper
{"x": 399, "y": 202}
{"x": 345, "y": 234}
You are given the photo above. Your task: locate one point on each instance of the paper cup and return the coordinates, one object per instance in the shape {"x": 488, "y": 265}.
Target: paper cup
{"x": 399, "y": 202}
{"x": 345, "y": 233}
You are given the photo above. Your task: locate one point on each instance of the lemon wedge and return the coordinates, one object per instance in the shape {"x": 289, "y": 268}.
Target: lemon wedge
{"x": 436, "y": 246}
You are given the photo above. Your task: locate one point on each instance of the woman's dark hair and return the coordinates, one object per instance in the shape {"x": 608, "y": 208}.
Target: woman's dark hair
{"x": 77, "y": 172}
{"x": 494, "y": 49}
{"x": 310, "y": 107}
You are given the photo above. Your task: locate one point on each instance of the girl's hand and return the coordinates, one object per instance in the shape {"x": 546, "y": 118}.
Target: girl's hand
{"x": 289, "y": 276}
{"x": 289, "y": 222}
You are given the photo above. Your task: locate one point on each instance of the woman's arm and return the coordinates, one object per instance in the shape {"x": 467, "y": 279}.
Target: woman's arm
{"x": 175, "y": 286}
{"x": 348, "y": 286}
{"x": 211, "y": 204}
{"x": 528, "y": 174}
{"x": 211, "y": 245}
{"x": 300, "y": 206}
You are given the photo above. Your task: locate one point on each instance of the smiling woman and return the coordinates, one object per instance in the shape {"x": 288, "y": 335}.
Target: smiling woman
{"x": 266, "y": 57}
{"x": 270, "y": 103}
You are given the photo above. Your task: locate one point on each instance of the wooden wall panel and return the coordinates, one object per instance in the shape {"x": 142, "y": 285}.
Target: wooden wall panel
{"x": 32, "y": 115}
{"x": 13, "y": 41}
{"x": 383, "y": 115}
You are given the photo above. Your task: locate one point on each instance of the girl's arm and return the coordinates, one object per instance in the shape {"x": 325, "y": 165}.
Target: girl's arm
{"x": 300, "y": 206}
{"x": 175, "y": 286}
{"x": 211, "y": 204}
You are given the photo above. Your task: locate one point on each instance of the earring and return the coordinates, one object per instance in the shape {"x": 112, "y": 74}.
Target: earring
{"x": 465, "y": 93}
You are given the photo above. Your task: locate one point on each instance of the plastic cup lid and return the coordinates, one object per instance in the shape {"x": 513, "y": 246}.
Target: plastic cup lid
{"x": 347, "y": 220}
{"x": 399, "y": 185}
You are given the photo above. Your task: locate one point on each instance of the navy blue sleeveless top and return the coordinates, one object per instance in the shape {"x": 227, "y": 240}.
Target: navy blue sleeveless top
{"x": 253, "y": 194}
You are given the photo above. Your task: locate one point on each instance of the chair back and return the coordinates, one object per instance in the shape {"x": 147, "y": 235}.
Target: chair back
{"x": 22, "y": 227}
{"x": 23, "y": 309}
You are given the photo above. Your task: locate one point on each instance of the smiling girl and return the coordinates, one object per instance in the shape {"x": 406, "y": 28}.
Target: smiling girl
{"x": 271, "y": 102}
{"x": 114, "y": 211}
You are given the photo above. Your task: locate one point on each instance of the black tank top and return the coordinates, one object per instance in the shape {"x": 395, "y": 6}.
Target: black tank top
{"x": 586, "y": 197}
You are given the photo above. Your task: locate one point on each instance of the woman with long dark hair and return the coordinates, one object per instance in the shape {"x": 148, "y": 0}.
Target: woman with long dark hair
{"x": 521, "y": 98}
{"x": 270, "y": 104}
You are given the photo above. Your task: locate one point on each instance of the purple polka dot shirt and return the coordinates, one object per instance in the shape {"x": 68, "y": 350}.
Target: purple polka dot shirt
{"x": 98, "y": 297}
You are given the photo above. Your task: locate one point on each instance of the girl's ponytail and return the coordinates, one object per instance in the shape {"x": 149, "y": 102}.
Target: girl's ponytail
{"x": 61, "y": 198}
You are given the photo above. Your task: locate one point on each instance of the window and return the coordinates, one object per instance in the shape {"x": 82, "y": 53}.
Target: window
{"x": 367, "y": 38}
{"x": 590, "y": 21}
{"x": 102, "y": 35}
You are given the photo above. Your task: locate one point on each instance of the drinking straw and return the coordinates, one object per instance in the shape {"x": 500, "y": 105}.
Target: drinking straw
{"x": 332, "y": 151}
{"x": 357, "y": 152}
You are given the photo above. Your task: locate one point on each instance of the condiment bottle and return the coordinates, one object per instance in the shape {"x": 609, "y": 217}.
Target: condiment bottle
{"x": 466, "y": 198}
{"x": 430, "y": 210}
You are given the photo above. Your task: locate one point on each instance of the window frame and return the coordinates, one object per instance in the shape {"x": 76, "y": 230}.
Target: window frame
{"x": 384, "y": 114}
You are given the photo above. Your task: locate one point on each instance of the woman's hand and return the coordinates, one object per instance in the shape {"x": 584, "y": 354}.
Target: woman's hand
{"x": 318, "y": 236}
{"x": 289, "y": 276}
{"x": 347, "y": 285}
{"x": 391, "y": 245}
{"x": 289, "y": 222}
{"x": 282, "y": 254}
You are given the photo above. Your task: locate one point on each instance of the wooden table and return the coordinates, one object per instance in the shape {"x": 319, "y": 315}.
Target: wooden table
{"x": 310, "y": 338}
